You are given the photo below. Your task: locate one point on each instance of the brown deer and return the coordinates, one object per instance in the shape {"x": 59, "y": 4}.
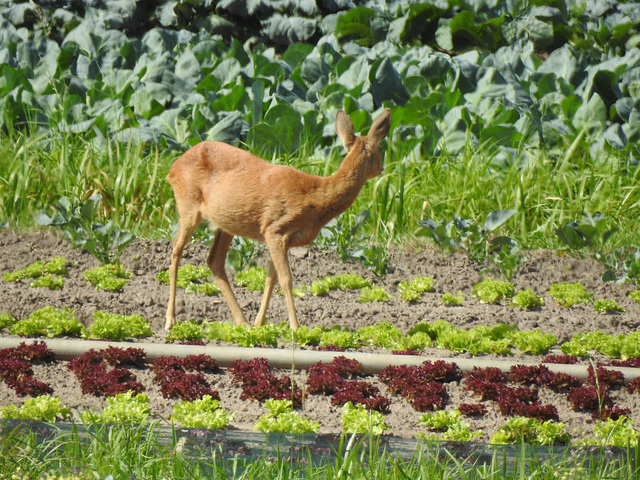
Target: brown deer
{"x": 241, "y": 194}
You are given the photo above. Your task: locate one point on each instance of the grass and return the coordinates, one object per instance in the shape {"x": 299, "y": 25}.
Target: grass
{"x": 143, "y": 452}
{"x": 36, "y": 171}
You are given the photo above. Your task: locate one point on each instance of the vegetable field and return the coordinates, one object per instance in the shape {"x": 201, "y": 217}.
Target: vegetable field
{"x": 408, "y": 325}
{"x": 504, "y": 225}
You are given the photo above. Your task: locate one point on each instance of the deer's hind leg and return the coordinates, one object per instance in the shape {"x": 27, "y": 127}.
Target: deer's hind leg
{"x": 188, "y": 223}
{"x": 215, "y": 261}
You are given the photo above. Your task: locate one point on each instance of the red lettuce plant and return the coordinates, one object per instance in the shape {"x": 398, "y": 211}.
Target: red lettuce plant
{"x": 562, "y": 359}
{"x": 17, "y": 372}
{"x": 94, "y": 378}
{"x": 336, "y": 378}
{"x": 634, "y": 385}
{"x": 604, "y": 376}
{"x": 543, "y": 377}
{"x": 588, "y": 397}
{"x": 119, "y": 357}
{"x": 170, "y": 374}
{"x": 473, "y": 409}
{"x": 259, "y": 382}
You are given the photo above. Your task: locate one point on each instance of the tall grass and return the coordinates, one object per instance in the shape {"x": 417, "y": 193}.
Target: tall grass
{"x": 546, "y": 191}
{"x": 140, "y": 452}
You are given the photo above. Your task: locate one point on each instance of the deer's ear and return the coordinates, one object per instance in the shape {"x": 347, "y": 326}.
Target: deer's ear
{"x": 380, "y": 127}
{"x": 344, "y": 129}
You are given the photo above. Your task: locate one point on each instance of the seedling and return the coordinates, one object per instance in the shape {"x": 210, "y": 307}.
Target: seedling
{"x": 360, "y": 420}
{"x": 253, "y": 278}
{"x": 52, "y": 282}
{"x": 202, "y": 413}
{"x": 186, "y": 332}
{"x": 45, "y": 274}
{"x": 451, "y": 424}
{"x": 339, "y": 282}
{"x": 49, "y": 322}
{"x": 125, "y": 408}
{"x": 527, "y": 300}
{"x": 492, "y": 291}
{"x": 282, "y": 419}
{"x": 117, "y": 327}
{"x": 413, "y": 290}
{"x": 111, "y": 277}
{"x": 531, "y": 430}
{"x": 189, "y": 277}
{"x": 568, "y": 294}
{"x": 603, "y": 305}
{"x": 373, "y": 294}
{"x": 43, "y": 408}
{"x": 450, "y": 299}
{"x": 635, "y": 295}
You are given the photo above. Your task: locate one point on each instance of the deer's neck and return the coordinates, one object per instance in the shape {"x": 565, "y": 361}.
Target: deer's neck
{"x": 340, "y": 190}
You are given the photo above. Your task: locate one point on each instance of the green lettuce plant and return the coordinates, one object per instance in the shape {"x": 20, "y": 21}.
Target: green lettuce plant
{"x": 112, "y": 276}
{"x": 635, "y": 295}
{"x": 450, "y": 425}
{"x": 52, "y": 282}
{"x": 527, "y": 300}
{"x": 450, "y": 299}
{"x": 49, "y": 322}
{"x": 534, "y": 342}
{"x": 382, "y": 334}
{"x": 202, "y": 413}
{"x": 618, "y": 433}
{"x": 121, "y": 408}
{"x": 492, "y": 291}
{"x": 189, "y": 278}
{"x": 113, "y": 326}
{"x": 43, "y": 408}
{"x": 360, "y": 420}
{"x": 603, "y": 305}
{"x": 531, "y": 430}
{"x": 252, "y": 278}
{"x": 6, "y": 320}
{"x": 340, "y": 338}
{"x": 281, "y": 418}
{"x": 373, "y": 294}
{"x": 568, "y": 294}
{"x": 186, "y": 332}
{"x": 413, "y": 290}
{"x": 55, "y": 266}
{"x": 339, "y": 282}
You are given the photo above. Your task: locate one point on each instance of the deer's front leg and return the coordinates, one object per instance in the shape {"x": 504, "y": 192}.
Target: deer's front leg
{"x": 279, "y": 258}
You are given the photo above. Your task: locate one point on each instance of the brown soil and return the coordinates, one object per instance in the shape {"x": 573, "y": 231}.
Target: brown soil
{"x": 144, "y": 295}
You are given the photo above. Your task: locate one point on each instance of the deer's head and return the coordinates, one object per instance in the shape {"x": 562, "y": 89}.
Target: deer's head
{"x": 367, "y": 148}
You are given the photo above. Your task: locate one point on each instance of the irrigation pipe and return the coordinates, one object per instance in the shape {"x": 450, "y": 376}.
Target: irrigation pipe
{"x": 295, "y": 358}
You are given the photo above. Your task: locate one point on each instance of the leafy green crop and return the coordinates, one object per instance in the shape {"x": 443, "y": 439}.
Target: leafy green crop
{"x": 202, "y": 413}
{"x": 492, "y": 291}
{"x": 533, "y": 341}
{"x": 282, "y": 419}
{"x": 567, "y": 294}
{"x": 450, "y": 423}
{"x": 79, "y": 227}
{"x": 112, "y": 276}
{"x": 186, "y": 332}
{"x": 373, "y": 294}
{"x": 340, "y": 338}
{"x": 339, "y": 282}
{"x": 49, "y": 322}
{"x": 56, "y": 265}
{"x": 266, "y": 335}
{"x": 189, "y": 277}
{"x": 121, "y": 408}
{"x": 360, "y": 420}
{"x": 618, "y": 433}
{"x": 6, "y": 320}
{"x": 306, "y": 336}
{"x": 413, "y": 290}
{"x": 253, "y": 278}
{"x": 531, "y": 430}
{"x": 53, "y": 282}
{"x": 451, "y": 299}
{"x": 635, "y": 295}
{"x": 527, "y": 300}
{"x": 117, "y": 327}
{"x": 383, "y": 334}
{"x": 603, "y": 305}
{"x": 43, "y": 408}
{"x": 621, "y": 346}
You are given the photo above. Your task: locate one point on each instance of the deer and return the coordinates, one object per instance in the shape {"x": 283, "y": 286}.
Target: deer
{"x": 283, "y": 207}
